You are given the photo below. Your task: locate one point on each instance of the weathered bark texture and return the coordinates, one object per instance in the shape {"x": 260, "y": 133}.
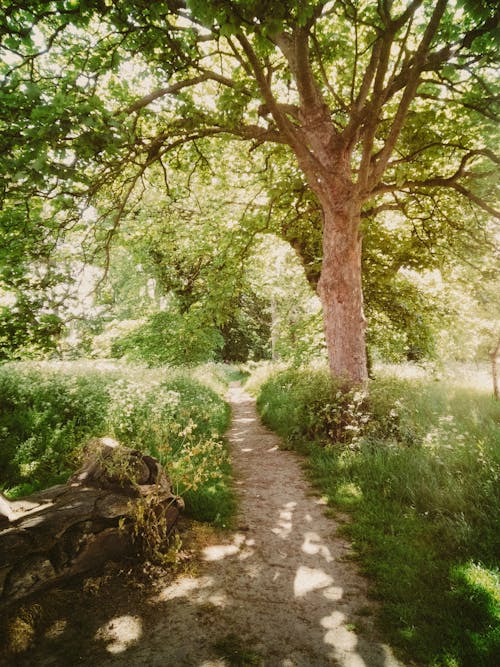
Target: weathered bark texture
{"x": 325, "y": 159}
{"x": 78, "y": 526}
{"x": 341, "y": 295}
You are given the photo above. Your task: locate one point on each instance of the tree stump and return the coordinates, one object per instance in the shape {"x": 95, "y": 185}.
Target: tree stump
{"x": 102, "y": 513}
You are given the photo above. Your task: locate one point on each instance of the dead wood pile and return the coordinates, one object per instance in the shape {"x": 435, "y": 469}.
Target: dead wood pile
{"x": 100, "y": 514}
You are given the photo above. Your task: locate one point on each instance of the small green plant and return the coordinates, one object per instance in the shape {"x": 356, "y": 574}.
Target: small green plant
{"x": 150, "y": 530}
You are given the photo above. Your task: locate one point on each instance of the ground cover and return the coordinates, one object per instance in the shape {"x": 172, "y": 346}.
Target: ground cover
{"x": 278, "y": 589}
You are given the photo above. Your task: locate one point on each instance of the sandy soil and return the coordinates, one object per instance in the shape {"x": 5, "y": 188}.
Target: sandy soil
{"x": 281, "y": 590}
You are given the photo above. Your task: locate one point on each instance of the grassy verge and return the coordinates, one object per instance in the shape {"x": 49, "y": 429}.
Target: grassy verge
{"x": 48, "y": 411}
{"x": 417, "y": 465}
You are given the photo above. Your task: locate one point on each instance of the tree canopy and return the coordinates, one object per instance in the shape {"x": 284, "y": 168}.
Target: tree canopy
{"x": 362, "y": 118}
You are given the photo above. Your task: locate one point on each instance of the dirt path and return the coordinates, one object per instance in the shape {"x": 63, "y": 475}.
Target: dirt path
{"x": 277, "y": 592}
{"x": 280, "y": 587}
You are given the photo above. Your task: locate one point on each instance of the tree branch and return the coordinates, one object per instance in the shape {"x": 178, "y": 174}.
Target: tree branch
{"x": 162, "y": 92}
{"x": 291, "y": 133}
{"x": 206, "y": 75}
{"x": 375, "y": 210}
{"x": 438, "y": 181}
{"x": 409, "y": 92}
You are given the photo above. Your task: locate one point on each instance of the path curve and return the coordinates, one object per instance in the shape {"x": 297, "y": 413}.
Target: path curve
{"x": 281, "y": 584}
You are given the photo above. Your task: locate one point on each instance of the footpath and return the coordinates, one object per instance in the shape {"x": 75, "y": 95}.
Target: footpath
{"x": 281, "y": 590}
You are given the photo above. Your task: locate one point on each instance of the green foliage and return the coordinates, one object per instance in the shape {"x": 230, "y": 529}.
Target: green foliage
{"x": 29, "y": 321}
{"x": 171, "y": 338}
{"x": 477, "y": 591}
{"x": 44, "y": 417}
{"x": 25, "y": 332}
{"x": 49, "y": 411}
{"x": 247, "y": 332}
{"x": 81, "y": 129}
{"x": 421, "y": 479}
{"x": 300, "y": 405}
{"x": 276, "y": 273}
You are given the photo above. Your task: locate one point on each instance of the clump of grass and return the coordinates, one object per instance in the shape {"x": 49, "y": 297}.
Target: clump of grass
{"x": 179, "y": 416}
{"x": 258, "y": 373}
{"x": 236, "y": 652}
{"x": 420, "y": 475}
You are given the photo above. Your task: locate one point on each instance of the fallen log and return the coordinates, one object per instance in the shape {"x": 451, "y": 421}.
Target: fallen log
{"x": 118, "y": 502}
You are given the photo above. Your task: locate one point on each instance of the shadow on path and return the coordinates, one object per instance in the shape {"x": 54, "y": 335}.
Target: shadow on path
{"x": 281, "y": 583}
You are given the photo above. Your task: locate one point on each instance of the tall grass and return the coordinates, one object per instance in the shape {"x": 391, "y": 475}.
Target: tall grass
{"x": 48, "y": 411}
{"x": 417, "y": 464}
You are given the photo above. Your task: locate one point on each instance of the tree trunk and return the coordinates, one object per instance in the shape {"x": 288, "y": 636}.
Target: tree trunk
{"x": 494, "y": 356}
{"x": 340, "y": 291}
{"x": 327, "y": 168}
{"x": 274, "y": 328}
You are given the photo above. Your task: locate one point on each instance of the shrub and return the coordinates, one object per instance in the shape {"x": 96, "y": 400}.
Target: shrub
{"x": 44, "y": 417}
{"x": 300, "y": 404}
{"x": 170, "y": 338}
{"x": 50, "y": 410}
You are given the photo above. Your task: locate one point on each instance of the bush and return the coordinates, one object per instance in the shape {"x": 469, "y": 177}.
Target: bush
{"x": 170, "y": 338}
{"x": 49, "y": 411}
{"x": 302, "y": 405}
{"x": 43, "y": 419}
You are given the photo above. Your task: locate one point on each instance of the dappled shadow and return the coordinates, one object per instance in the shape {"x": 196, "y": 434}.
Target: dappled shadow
{"x": 282, "y": 583}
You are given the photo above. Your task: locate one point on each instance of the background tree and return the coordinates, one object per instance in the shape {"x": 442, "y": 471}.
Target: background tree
{"x": 383, "y": 106}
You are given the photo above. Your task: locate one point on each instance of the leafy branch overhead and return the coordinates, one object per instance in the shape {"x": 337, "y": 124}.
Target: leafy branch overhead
{"x": 383, "y": 106}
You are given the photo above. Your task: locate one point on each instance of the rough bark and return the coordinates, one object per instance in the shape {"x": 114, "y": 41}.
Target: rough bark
{"x": 340, "y": 282}
{"x": 340, "y": 291}
{"x": 324, "y": 155}
{"x": 78, "y": 526}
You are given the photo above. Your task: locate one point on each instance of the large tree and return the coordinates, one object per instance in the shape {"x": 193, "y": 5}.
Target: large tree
{"x": 383, "y": 105}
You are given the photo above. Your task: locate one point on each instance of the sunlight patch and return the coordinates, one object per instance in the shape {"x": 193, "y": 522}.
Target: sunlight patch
{"x": 312, "y": 545}
{"x": 339, "y": 636}
{"x": 219, "y": 599}
{"x": 120, "y": 633}
{"x": 308, "y": 579}
{"x": 283, "y": 529}
{"x": 333, "y": 593}
{"x": 183, "y": 587}
{"x": 220, "y": 551}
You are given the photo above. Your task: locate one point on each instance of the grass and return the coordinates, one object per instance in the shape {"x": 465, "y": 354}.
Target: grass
{"x": 236, "y": 653}
{"x": 417, "y": 465}
{"x": 49, "y": 410}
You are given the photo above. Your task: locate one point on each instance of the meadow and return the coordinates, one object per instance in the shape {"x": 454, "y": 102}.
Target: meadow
{"x": 413, "y": 473}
